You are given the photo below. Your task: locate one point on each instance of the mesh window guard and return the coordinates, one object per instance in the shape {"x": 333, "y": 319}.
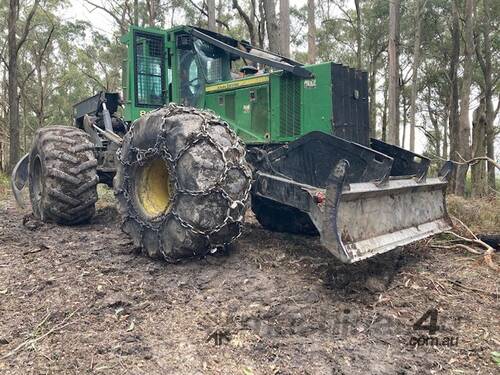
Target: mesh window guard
{"x": 149, "y": 70}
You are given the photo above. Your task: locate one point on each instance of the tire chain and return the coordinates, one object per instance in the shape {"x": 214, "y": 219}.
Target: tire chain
{"x": 142, "y": 156}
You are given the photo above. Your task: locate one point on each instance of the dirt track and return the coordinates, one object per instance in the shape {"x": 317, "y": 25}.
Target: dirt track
{"x": 80, "y": 300}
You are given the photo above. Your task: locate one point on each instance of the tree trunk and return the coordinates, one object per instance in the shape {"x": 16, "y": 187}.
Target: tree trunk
{"x": 453, "y": 116}
{"x": 253, "y": 17}
{"x": 311, "y": 32}
{"x": 485, "y": 63}
{"x": 384, "y": 114}
{"x": 152, "y": 12}
{"x": 416, "y": 63}
{"x": 436, "y": 135}
{"x": 405, "y": 116}
{"x": 393, "y": 120}
{"x": 372, "y": 81}
{"x": 13, "y": 94}
{"x": 490, "y": 133}
{"x": 479, "y": 182}
{"x": 272, "y": 25}
{"x": 14, "y": 44}
{"x": 24, "y": 126}
{"x": 211, "y": 15}
{"x": 136, "y": 12}
{"x": 41, "y": 104}
{"x": 219, "y": 15}
{"x": 262, "y": 23}
{"x": 358, "y": 34}
{"x": 249, "y": 20}
{"x": 444, "y": 154}
{"x": 3, "y": 122}
{"x": 483, "y": 174}
{"x": 463, "y": 144}
{"x": 285, "y": 28}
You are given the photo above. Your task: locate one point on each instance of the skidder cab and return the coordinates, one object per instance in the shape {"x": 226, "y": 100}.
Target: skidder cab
{"x": 209, "y": 123}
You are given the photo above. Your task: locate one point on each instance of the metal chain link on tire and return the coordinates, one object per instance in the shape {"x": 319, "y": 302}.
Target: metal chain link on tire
{"x": 142, "y": 156}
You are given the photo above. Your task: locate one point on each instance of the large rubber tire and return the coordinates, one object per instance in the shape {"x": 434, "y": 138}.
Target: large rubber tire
{"x": 182, "y": 183}
{"x": 62, "y": 175}
{"x": 277, "y": 217}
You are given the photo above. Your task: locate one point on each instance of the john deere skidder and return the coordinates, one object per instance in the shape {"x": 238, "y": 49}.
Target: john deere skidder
{"x": 292, "y": 139}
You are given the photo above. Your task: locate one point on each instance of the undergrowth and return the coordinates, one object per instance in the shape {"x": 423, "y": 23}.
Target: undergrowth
{"x": 4, "y": 185}
{"x": 106, "y": 195}
{"x": 481, "y": 215}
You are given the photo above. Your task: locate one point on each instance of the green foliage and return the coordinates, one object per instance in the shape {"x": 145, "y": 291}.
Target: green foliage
{"x": 61, "y": 63}
{"x": 79, "y": 59}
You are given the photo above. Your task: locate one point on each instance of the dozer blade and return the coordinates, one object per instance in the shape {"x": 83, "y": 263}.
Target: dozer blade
{"x": 359, "y": 220}
{"x": 366, "y": 219}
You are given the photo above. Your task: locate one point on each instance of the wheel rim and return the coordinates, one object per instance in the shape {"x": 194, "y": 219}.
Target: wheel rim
{"x": 37, "y": 185}
{"x": 153, "y": 188}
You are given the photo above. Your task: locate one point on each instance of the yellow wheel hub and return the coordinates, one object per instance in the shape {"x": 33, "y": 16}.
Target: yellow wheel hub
{"x": 154, "y": 188}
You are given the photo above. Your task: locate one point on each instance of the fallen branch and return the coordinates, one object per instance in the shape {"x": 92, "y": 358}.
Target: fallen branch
{"x": 487, "y": 252}
{"x": 32, "y": 341}
{"x": 465, "y": 227}
{"x": 459, "y": 245}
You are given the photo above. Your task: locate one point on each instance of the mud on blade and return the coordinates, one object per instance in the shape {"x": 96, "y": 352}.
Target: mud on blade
{"x": 368, "y": 219}
{"x": 361, "y": 200}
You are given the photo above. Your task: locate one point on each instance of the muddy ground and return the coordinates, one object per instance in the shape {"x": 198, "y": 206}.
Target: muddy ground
{"x": 80, "y": 300}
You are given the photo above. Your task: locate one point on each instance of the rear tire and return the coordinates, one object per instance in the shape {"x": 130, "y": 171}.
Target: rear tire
{"x": 182, "y": 183}
{"x": 62, "y": 175}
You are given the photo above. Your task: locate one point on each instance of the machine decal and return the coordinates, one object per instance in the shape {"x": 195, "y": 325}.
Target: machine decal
{"x": 310, "y": 83}
{"x": 237, "y": 84}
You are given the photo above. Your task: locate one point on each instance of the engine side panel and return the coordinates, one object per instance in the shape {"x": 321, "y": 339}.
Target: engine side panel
{"x": 350, "y": 104}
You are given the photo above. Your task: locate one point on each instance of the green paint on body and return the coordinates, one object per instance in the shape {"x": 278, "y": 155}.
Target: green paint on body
{"x": 262, "y": 108}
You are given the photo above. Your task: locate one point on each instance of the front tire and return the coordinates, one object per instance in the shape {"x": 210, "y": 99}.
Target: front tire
{"x": 62, "y": 175}
{"x": 182, "y": 183}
